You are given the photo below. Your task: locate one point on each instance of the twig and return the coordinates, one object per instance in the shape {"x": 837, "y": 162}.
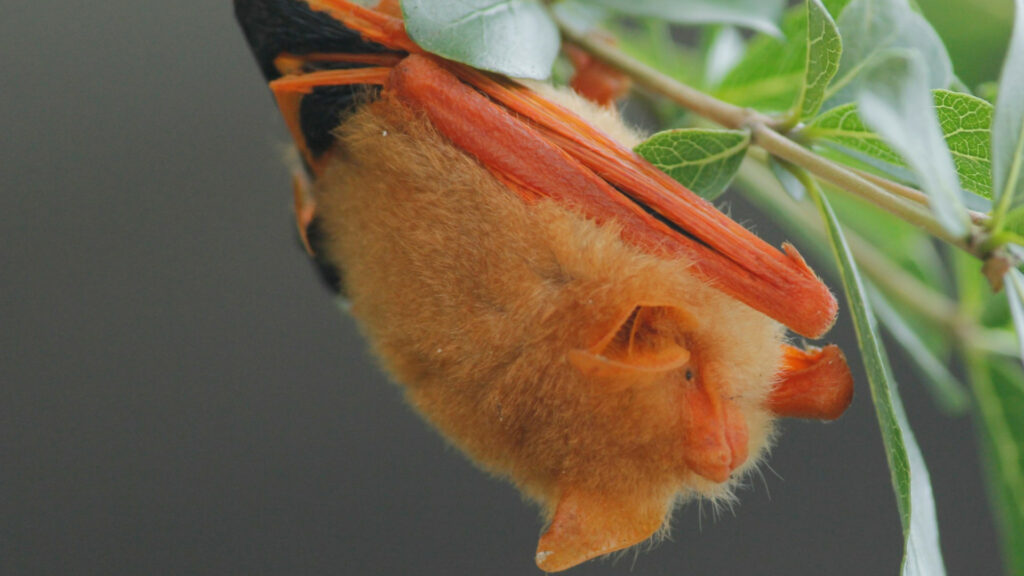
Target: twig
{"x": 911, "y": 194}
{"x": 891, "y": 196}
{"x": 900, "y": 285}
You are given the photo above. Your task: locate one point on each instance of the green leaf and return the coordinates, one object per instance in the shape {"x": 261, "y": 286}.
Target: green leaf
{"x": 704, "y": 161}
{"x": 580, "y": 17}
{"x": 998, "y": 387}
{"x": 1014, "y": 224}
{"x": 824, "y": 49}
{"x": 783, "y": 172}
{"x": 1008, "y": 131}
{"x": 651, "y": 42}
{"x": 512, "y": 37}
{"x": 904, "y": 244}
{"x": 1014, "y": 283}
{"x": 947, "y": 391}
{"x": 965, "y": 121}
{"x": 769, "y": 77}
{"x": 895, "y": 101}
{"x": 987, "y": 91}
{"x": 843, "y": 126}
{"x": 922, "y": 556}
{"x": 872, "y": 28}
{"x": 999, "y": 390}
{"x": 835, "y": 7}
{"x": 760, "y": 15}
{"x": 724, "y": 53}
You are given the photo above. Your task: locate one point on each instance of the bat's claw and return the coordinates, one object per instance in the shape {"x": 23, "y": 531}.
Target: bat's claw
{"x": 595, "y": 80}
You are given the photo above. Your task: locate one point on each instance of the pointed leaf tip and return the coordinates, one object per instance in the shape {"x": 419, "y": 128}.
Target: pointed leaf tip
{"x": 896, "y": 102}
{"x": 1008, "y": 126}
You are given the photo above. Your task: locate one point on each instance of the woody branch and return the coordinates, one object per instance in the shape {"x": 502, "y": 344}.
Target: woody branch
{"x": 906, "y": 203}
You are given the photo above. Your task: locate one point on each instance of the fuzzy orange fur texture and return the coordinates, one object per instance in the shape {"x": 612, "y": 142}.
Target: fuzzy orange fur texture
{"x": 544, "y": 294}
{"x": 553, "y": 353}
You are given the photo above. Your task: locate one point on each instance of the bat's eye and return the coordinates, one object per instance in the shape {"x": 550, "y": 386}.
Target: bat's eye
{"x": 689, "y": 374}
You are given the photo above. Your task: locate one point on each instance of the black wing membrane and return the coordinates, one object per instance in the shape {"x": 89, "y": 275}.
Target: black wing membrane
{"x": 275, "y": 27}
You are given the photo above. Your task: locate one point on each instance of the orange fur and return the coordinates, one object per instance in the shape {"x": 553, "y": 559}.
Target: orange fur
{"x": 594, "y": 79}
{"x": 541, "y": 318}
{"x": 477, "y": 301}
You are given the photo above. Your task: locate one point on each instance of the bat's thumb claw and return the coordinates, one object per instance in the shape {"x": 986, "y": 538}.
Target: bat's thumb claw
{"x": 815, "y": 383}
{"x": 796, "y": 258}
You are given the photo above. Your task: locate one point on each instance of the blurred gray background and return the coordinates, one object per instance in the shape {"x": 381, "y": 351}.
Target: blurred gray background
{"x": 178, "y": 394}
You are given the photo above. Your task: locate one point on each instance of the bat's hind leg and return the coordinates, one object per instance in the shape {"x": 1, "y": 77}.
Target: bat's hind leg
{"x": 588, "y": 524}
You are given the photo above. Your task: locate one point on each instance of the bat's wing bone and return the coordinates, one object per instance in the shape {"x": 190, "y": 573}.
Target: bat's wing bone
{"x": 542, "y": 150}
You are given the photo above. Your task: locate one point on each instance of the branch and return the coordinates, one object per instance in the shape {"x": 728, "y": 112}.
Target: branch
{"x": 897, "y": 283}
{"x": 903, "y": 202}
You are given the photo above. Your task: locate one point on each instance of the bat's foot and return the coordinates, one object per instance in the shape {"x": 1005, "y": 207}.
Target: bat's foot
{"x": 815, "y": 383}
{"x": 595, "y": 80}
{"x": 588, "y": 525}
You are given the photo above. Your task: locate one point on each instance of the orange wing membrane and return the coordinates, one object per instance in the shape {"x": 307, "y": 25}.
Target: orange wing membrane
{"x": 543, "y": 150}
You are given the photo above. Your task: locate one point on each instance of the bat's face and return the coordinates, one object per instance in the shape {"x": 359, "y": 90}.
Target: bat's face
{"x": 707, "y": 366}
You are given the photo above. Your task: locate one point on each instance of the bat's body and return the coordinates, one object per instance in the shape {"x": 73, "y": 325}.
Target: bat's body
{"x": 477, "y": 302}
{"x": 555, "y": 335}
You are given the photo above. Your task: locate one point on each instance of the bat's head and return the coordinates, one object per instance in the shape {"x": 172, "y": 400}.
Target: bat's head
{"x": 659, "y": 371}
{"x": 676, "y": 388}
{"x": 721, "y": 379}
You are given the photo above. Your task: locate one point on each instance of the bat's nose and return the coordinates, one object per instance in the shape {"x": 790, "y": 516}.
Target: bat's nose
{"x": 715, "y": 434}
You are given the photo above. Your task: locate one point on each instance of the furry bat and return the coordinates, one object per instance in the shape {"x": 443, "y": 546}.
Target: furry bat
{"x": 573, "y": 320}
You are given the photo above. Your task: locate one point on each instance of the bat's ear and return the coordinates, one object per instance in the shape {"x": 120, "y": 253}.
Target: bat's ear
{"x": 648, "y": 339}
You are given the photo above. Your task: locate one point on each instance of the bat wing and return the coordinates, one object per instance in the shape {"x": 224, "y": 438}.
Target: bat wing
{"x": 322, "y": 55}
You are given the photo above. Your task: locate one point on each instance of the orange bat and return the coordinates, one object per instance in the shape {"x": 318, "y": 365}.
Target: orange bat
{"x": 568, "y": 315}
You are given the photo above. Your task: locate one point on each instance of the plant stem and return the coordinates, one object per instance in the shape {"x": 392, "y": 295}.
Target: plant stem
{"x": 908, "y": 193}
{"x": 891, "y": 197}
{"x": 783, "y": 147}
{"x": 897, "y": 283}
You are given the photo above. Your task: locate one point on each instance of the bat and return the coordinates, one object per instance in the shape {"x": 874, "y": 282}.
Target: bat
{"x": 573, "y": 319}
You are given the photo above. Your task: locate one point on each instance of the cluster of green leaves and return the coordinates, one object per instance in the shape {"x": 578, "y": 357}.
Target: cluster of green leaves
{"x": 874, "y": 89}
{"x": 863, "y": 83}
